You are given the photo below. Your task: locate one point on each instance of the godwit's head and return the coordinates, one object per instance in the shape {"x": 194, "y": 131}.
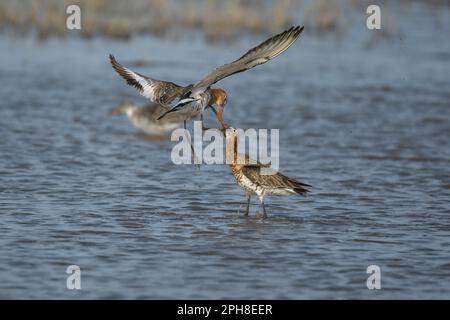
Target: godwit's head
{"x": 126, "y": 107}
{"x": 230, "y": 133}
{"x": 219, "y": 98}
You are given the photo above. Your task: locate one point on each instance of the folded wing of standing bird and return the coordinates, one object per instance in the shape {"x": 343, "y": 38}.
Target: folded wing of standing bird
{"x": 276, "y": 181}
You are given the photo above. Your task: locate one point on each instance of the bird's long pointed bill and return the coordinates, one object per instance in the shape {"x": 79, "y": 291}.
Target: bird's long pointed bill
{"x": 219, "y": 116}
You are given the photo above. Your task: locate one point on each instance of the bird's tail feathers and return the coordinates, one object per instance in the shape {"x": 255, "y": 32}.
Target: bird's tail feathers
{"x": 301, "y": 191}
{"x": 301, "y": 188}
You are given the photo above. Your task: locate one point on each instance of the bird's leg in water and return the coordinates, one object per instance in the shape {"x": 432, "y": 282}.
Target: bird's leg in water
{"x": 248, "y": 195}
{"x": 194, "y": 156}
{"x": 263, "y": 207}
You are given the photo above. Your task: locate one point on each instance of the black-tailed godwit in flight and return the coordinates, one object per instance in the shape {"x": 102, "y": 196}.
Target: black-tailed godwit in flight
{"x": 194, "y": 99}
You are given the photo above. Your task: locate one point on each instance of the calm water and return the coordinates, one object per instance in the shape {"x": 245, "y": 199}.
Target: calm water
{"x": 369, "y": 128}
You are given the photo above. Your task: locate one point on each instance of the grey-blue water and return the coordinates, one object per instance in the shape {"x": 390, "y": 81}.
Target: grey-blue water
{"x": 367, "y": 125}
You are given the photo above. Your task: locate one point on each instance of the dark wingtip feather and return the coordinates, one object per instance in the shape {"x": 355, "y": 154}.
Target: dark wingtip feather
{"x": 124, "y": 74}
{"x": 112, "y": 59}
{"x": 305, "y": 185}
{"x": 301, "y": 191}
{"x": 114, "y": 62}
{"x": 297, "y": 31}
{"x": 301, "y": 188}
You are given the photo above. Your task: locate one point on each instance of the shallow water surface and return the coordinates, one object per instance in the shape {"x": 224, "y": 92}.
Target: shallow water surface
{"x": 368, "y": 128}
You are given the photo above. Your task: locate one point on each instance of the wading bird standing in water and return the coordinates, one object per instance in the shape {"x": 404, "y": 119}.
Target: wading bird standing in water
{"x": 194, "y": 99}
{"x": 145, "y": 118}
{"x": 249, "y": 174}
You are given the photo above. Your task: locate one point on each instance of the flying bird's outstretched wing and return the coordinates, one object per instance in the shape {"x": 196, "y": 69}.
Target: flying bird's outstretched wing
{"x": 267, "y": 50}
{"x": 162, "y": 92}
